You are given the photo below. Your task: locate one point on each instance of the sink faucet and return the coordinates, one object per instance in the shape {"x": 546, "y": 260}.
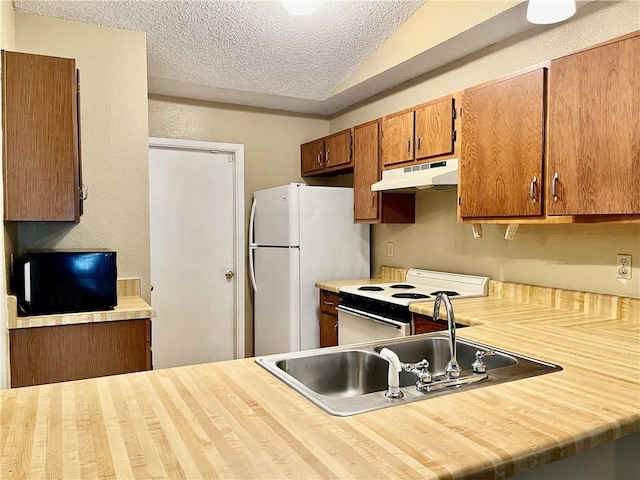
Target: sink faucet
{"x": 453, "y": 369}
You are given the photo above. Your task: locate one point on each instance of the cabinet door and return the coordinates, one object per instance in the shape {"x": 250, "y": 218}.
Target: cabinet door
{"x": 72, "y": 352}
{"x": 594, "y": 131}
{"x": 328, "y": 330}
{"x": 434, "y": 129}
{"x": 40, "y": 140}
{"x": 397, "y": 138}
{"x": 312, "y": 157}
{"x": 366, "y": 171}
{"x": 337, "y": 149}
{"x": 502, "y": 148}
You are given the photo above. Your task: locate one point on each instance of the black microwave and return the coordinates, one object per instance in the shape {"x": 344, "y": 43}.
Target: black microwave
{"x": 55, "y": 281}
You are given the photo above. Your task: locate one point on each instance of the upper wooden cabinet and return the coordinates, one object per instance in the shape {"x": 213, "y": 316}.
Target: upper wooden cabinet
{"x": 502, "y": 147}
{"x": 41, "y": 158}
{"x": 312, "y": 157}
{"x": 366, "y": 171}
{"x": 435, "y": 129}
{"x": 594, "y": 131}
{"x": 375, "y": 207}
{"x": 423, "y": 133}
{"x": 397, "y": 138}
{"x": 330, "y": 155}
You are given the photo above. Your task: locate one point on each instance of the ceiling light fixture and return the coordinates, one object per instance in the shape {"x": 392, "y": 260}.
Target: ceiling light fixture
{"x": 301, "y": 7}
{"x": 544, "y": 12}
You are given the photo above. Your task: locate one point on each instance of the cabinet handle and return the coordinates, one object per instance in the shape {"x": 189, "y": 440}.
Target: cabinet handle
{"x": 84, "y": 192}
{"x": 554, "y": 183}
{"x": 319, "y": 158}
{"x": 335, "y": 328}
{"x": 418, "y": 143}
{"x": 532, "y": 189}
{"x": 372, "y": 199}
{"x": 326, "y": 157}
{"x": 409, "y": 145}
{"x": 329, "y": 303}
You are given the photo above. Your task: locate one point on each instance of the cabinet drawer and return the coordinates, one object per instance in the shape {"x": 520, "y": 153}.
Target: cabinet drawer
{"x": 329, "y": 301}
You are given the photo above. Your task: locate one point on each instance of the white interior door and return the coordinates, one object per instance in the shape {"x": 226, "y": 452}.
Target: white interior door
{"x": 193, "y": 216}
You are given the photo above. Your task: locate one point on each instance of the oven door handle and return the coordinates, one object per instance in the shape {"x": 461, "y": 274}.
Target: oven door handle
{"x": 368, "y": 316}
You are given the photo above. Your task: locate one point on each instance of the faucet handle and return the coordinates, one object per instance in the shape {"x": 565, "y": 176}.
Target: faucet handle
{"x": 421, "y": 370}
{"x": 479, "y": 366}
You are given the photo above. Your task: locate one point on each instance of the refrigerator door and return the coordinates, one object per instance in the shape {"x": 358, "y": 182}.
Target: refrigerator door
{"x": 332, "y": 247}
{"x": 276, "y": 301}
{"x": 275, "y": 219}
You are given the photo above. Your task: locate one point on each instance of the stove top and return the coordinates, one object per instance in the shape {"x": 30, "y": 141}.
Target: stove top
{"x": 422, "y": 286}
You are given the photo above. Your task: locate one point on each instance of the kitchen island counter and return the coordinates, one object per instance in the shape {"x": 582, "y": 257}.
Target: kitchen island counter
{"x": 234, "y": 419}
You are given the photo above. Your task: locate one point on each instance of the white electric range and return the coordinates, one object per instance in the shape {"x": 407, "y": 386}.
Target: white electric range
{"x": 381, "y": 310}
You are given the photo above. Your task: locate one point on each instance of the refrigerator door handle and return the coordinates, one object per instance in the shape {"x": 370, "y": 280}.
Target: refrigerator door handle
{"x": 252, "y": 268}
{"x": 252, "y": 247}
{"x": 252, "y": 218}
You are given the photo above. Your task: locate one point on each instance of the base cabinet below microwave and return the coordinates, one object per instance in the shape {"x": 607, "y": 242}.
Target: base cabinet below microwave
{"x": 52, "y": 354}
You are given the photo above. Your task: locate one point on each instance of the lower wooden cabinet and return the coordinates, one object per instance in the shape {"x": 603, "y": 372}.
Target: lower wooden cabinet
{"x": 425, "y": 324}
{"x": 328, "y": 318}
{"x": 54, "y": 354}
{"x": 328, "y": 330}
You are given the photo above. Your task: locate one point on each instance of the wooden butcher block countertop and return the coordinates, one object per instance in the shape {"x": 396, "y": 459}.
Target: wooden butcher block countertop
{"x": 235, "y": 420}
{"x": 130, "y": 307}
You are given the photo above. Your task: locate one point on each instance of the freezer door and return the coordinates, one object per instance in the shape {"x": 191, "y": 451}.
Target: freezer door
{"x": 276, "y": 216}
{"x": 276, "y": 315}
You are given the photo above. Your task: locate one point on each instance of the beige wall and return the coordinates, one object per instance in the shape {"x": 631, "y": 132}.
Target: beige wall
{"x": 114, "y": 139}
{"x": 570, "y": 256}
{"x": 271, "y": 141}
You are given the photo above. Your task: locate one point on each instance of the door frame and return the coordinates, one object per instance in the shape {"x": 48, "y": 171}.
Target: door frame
{"x": 236, "y": 150}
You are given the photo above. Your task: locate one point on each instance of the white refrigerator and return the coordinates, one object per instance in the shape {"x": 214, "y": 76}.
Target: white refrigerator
{"x": 299, "y": 235}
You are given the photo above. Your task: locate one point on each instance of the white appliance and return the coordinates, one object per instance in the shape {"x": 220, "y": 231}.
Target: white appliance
{"x": 371, "y": 312}
{"x": 437, "y": 175}
{"x": 299, "y": 235}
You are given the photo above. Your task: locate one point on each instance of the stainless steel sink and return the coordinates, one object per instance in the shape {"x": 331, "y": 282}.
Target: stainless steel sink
{"x": 340, "y": 374}
{"x": 353, "y": 379}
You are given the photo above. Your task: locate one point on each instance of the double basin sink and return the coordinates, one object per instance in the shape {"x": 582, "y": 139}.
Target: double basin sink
{"x": 353, "y": 379}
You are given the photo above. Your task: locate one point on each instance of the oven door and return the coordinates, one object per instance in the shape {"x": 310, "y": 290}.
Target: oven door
{"x": 356, "y": 326}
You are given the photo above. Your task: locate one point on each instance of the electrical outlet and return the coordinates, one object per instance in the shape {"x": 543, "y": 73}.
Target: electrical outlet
{"x": 623, "y": 265}
{"x": 389, "y": 249}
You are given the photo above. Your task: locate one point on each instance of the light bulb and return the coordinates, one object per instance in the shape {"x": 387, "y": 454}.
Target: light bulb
{"x": 544, "y": 12}
{"x": 301, "y": 7}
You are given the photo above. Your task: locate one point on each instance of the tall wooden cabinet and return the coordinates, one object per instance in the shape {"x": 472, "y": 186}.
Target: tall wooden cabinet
{"x": 502, "y": 147}
{"x": 41, "y": 155}
{"x": 375, "y": 207}
{"x": 594, "y": 131}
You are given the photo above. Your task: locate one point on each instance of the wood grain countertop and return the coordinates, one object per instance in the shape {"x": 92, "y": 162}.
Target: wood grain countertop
{"x": 235, "y": 420}
{"x": 386, "y": 274}
{"x": 130, "y": 306}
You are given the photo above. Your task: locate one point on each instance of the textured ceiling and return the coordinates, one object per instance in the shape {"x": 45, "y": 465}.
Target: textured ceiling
{"x": 245, "y": 49}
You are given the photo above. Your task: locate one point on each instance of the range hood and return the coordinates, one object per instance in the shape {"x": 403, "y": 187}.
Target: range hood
{"x": 437, "y": 175}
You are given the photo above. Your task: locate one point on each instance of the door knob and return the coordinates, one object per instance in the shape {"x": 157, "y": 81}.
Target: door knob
{"x": 229, "y": 274}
